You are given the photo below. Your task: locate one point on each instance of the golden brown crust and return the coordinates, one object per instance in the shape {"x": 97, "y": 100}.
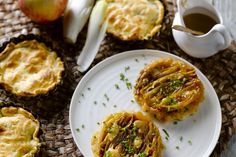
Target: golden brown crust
{"x": 127, "y": 134}
{"x": 29, "y": 68}
{"x": 134, "y": 19}
{"x": 18, "y": 133}
{"x": 169, "y": 89}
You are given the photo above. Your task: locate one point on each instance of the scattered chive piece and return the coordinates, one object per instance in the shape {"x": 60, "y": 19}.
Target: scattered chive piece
{"x": 194, "y": 120}
{"x": 78, "y": 130}
{"x": 128, "y": 85}
{"x": 175, "y": 123}
{"x": 104, "y": 104}
{"x": 132, "y": 101}
{"x": 95, "y": 102}
{"x": 127, "y": 68}
{"x": 83, "y": 126}
{"x": 177, "y": 147}
{"x": 122, "y": 77}
{"x": 89, "y": 88}
{"x": 117, "y": 86}
{"x": 181, "y": 138}
{"x": 114, "y": 106}
{"x": 167, "y": 138}
{"x": 190, "y": 142}
{"x": 164, "y": 130}
{"x": 136, "y": 60}
{"x": 82, "y": 95}
{"x": 105, "y": 95}
{"x": 98, "y": 123}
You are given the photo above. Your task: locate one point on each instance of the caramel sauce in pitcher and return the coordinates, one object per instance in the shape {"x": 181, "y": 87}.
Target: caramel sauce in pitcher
{"x": 199, "y": 22}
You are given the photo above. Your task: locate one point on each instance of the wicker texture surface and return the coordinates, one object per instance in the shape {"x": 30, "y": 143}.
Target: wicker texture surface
{"x": 55, "y": 135}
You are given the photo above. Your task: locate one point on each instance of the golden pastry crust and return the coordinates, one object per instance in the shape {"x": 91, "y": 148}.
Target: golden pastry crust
{"x": 127, "y": 134}
{"x": 29, "y": 68}
{"x": 18, "y": 133}
{"x": 169, "y": 89}
{"x": 134, "y": 19}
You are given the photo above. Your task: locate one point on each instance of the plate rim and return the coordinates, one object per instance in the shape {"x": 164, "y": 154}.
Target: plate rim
{"x": 140, "y": 51}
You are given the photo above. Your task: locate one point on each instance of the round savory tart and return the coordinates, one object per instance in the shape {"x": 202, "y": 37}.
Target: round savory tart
{"x": 18, "y": 133}
{"x": 127, "y": 134}
{"x": 170, "y": 89}
{"x": 134, "y": 19}
{"x": 29, "y": 68}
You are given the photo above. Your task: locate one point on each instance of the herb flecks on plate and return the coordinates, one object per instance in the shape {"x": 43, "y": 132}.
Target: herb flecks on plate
{"x": 117, "y": 86}
{"x": 126, "y": 81}
{"x": 107, "y": 98}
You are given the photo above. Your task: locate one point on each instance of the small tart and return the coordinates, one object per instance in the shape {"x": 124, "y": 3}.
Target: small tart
{"x": 134, "y": 19}
{"x": 29, "y": 68}
{"x": 169, "y": 89}
{"x": 127, "y": 134}
{"x": 18, "y": 133}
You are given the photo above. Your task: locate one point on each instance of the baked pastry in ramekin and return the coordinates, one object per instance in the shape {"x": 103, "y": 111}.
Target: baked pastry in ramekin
{"x": 18, "y": 133}
{"x": 134, "y": 19}
{"x": 29, "y": 68}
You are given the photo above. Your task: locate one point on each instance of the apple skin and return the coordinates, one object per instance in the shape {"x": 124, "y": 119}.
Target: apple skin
{"x": 42, "y": 11}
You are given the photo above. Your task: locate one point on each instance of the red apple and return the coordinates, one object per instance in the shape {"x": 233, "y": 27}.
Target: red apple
{"x": 42, "y": 11}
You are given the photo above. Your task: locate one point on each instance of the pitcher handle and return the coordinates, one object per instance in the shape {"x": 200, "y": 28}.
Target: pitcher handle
{"x": 225, "y": 34}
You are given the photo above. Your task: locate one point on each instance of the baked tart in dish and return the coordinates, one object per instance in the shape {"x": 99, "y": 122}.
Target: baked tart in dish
{"x": 134, "y": 19}
{"x": 29, "y": 68}
{"x": 127, "y": 134}
{"x": 18, "y": 133}
{"x": 170, "y": 89}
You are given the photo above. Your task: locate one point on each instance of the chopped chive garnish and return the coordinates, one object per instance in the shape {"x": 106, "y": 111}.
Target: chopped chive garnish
{"x": 89, "y": 88}
{"x": 95, "y": 102}
{"x": 104, "y": 104}
{"x": 127, "y": 68}
{"x": 175, "y": 122}
{"x": 83, "y": 126}
{"x": 181, "y": 138}
{"x": 128, "y": 85}
{"x": 132, "y": 101}
{"x": 167, "y": 138}
{"x": 136, "y": 60}
{"x": 190, "y": 142}
{"x": 82, "y": 95}
{"x": 98, "y": 123}
{"x": 122, "y": 77}
{"x": 177, "y": 147}
{"x": 117, "y": 86}
{"x": 78, "y": 130}
{"x": 114, "y": 106}
{"x": 105, "y": 95}
{"x": 164, "y": 130}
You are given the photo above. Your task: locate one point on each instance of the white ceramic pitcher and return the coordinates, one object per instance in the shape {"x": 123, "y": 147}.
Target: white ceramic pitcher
{"x": 218, "y": 38}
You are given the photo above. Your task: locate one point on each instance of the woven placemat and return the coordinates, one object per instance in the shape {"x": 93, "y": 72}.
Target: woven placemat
{"x": 56, "y": 137}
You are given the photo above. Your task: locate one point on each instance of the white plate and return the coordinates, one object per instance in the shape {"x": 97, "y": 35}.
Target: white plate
{"x": 199, "y": 132}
